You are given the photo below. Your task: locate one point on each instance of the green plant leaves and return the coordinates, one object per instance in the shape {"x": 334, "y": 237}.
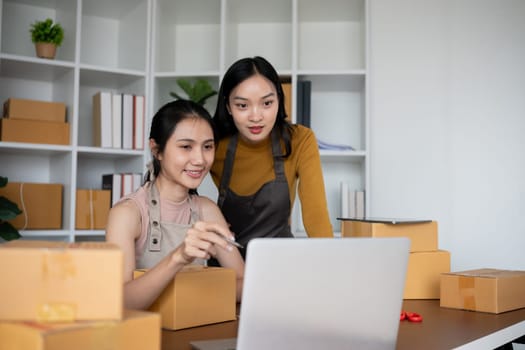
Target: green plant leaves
{"x": 8, "y": 232}
{"x": 47, "y": 32}
{"x": 197, "y": 92}
{"x": 8, "y": 211}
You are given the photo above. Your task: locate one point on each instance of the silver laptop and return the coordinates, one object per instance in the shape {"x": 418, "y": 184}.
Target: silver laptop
{"x": 320, "y": 293}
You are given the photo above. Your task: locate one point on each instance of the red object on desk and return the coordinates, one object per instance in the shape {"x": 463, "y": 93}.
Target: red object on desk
{"x": 410, "y": 316}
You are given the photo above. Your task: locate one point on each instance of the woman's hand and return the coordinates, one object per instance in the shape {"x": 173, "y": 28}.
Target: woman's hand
{"x": 202, "y": 241}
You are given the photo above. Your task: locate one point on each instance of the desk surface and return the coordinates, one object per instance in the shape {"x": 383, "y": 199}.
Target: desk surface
{"x": 441, "y": 329}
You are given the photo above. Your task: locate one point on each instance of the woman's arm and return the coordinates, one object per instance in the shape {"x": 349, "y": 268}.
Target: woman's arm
{"x": 227, "y": 258}
{"x": 123, "y": 228}
{"x": 311, "y": 190}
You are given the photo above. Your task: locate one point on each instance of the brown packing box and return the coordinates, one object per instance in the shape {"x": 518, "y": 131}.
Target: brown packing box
{"x": 423, "y": 274}
{"x": 17, "y": 108}
{"x": 92, "y": 209}
{"x": 138, "y": 330}
{"x": 486, "y": 290}
{"x": 59, "y": 281}
{"x": 423, "y": 236}
{"x": 197, "y": 296}
{"x": 30, "y": 131}
{"x": 42, "y": 205}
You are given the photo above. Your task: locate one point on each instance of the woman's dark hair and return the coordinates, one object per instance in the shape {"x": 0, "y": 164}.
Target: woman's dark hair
{"x": 166, "y": 120}
{"x": 236, "y": 74}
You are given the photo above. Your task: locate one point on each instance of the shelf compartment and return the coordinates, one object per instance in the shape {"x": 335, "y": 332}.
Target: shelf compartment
{"x": 33, "y": 80}
{"x": 91, "y": 167}
{"x": 17, "y": 17}
{"x": 163, "y": 87}
{"x": 259, "y": 28}
{"x": 93, "y": 81}
{"x": 187, "y": 36}
{"x": 114, "y": 33}
{"x": 338, "y": 110}
{"x": 328, "y": 27}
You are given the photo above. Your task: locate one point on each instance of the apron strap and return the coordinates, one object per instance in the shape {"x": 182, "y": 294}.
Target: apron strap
{"x": 155, "y": 236}
{"x": 278, "y": 164}
{"x": 227, "y": 170}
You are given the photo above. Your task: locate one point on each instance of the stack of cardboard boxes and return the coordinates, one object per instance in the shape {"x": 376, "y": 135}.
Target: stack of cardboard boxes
{"x": 34, "y": 121}
{"x": 426, "y": 262}
{"x": 57, "y": 295}
{"x": 62, "y": 296}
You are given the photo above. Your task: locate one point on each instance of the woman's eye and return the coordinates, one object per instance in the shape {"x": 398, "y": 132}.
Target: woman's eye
{"x": 268, "y": 103}
{"x": 209, "y": 146}
{"x": 186, "y": 147}
{"x": 241, "y": 105}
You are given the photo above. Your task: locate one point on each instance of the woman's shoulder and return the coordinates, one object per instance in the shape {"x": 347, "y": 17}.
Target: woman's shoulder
{"x": 301, "y": 134}
{"x": 208, "y": 208}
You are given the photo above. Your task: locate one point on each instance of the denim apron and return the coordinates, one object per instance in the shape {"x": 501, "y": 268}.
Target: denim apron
{"x": 266, "y": 213}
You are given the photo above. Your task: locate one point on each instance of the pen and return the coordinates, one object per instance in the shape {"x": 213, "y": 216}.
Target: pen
{"x": 231, "y": 241}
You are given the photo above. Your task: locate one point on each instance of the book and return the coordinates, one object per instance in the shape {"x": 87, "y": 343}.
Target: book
{"x": 127, "y": 184}
{"x": 345, "y": 211}
{"x": 113, "y": 182}
{"x": 299, "y": 102}
{"x": 352, "y": 202}
{"x": 116, "y": 118}
{"x": 307, "y": 105}
{"x": 360, "y": 204}
{"x": 138, "y": 121}
{"x": 102, "y": 110}
{"x": 127, "y": 121}
{"x": 136, "y": 181}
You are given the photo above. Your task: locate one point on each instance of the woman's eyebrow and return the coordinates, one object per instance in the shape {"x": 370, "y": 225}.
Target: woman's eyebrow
{"x": 245, "y": 99}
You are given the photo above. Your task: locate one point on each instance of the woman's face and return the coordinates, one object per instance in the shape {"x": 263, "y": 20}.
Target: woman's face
{"x": 189, "y": 153}
{"x": 253, "y": 105}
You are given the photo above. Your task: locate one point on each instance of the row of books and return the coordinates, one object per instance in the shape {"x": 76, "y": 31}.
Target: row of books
{"x": 352, "y": 202}
{"x": 118, "y": 120}
{"x": 121, "y": 184}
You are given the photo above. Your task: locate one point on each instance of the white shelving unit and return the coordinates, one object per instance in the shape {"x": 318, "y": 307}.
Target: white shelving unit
{"x": 106, "y": 47}
{"x": 324, "y": 41}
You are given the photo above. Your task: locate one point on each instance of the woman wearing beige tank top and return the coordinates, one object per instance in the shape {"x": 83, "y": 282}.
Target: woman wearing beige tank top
{"x": 165, "y": 225}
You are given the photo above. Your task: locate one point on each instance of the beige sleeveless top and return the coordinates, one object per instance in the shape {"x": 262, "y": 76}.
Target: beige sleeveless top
{"x": 164, "y": 225}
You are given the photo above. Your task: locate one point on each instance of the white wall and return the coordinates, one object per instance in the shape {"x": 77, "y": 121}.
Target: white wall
{"x": 448, "y": 123}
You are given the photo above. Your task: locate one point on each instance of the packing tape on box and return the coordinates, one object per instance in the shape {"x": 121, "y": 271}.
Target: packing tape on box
{"x": 91, "y": 211}
{"x": 466, "y": 287}
{"x": 56, "y": 312}
{"x": 57, "y": 268}
{"x": 22, "y": 204}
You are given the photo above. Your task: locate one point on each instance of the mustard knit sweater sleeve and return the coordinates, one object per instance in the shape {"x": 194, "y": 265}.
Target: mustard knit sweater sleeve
{"x": 253, "y": 167}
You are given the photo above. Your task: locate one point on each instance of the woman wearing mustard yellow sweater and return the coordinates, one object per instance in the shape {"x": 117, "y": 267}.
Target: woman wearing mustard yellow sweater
{"x": 261, "y": 159}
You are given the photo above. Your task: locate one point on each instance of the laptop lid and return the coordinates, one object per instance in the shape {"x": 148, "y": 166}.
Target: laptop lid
{"x": 320, "y": 293}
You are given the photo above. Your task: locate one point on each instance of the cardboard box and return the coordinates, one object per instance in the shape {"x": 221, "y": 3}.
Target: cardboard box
{"x": 424, "y": 272}
{"x": 137, "y": 331}
{"x": 423, "y": 236}
{"x": 17, "y": 108}
{"x": 30, "y": 131}
{"x": 197, "y": 296}
{"x": 61, "y": 282}
{"x": 486, "y": 290}
{"x": 92, "y": 209}
{"x": 42, "y": 205}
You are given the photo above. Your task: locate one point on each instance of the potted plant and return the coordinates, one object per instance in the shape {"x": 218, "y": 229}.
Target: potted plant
{"x": 47, "y": 36}
{"x": 8, "y": 211}
{"x": 198, "y": 92}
